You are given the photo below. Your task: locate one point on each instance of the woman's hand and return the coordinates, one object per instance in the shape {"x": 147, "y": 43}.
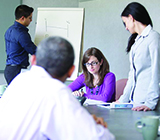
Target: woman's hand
{"x": 78, "y": 93}
{"x": 141, "y": 108}
{"x": 117, "y": 101}
{"x": 100, "y": 121}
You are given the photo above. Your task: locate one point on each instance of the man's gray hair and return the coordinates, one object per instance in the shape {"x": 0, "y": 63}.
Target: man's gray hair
{"x": 55, "y": 55}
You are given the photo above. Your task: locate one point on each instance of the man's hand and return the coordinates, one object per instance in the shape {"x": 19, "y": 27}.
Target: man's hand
{"x": 100, "y": 120}
{"x": 141, "y": 108}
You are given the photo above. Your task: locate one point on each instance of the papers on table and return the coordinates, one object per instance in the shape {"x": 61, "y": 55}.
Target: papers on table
{"x": 117, "y": 105}
{"x": 93, "y": 102}
{"x": 107, "y": 105}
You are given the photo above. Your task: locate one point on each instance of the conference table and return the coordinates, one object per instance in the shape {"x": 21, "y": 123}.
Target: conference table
{"x": 121, "y": 122}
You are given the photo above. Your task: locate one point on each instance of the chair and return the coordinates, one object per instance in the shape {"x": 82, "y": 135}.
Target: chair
{"x": 120, "y": 85}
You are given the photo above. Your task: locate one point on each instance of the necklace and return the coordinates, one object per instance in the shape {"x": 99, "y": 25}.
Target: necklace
{"x": 97, "y": 90}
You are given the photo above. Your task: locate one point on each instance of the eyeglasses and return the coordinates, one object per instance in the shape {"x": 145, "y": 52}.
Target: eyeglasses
{"x": 92, "y": 64}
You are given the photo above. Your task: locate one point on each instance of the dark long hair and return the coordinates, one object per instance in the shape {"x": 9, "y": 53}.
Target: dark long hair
{"x": 104, "y": 68}
{"x": 140, "y": 14}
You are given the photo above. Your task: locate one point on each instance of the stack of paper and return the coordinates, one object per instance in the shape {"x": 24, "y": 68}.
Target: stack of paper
{"x": 107, "y": 105}
{"x": 117, "y": 105}
{"x": 93, "y": 102}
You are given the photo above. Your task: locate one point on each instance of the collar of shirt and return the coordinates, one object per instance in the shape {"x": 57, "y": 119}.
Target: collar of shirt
{"x": 18, "y": 24}
{"x": 40, "y": 71}
{"x": 144, "y": 33}
{"x": 139, "y": 39}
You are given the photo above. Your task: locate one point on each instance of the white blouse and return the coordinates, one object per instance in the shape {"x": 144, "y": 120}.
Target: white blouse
{"x": 144, "y": 76}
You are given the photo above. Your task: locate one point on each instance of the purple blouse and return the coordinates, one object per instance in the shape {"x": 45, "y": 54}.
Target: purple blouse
{"x": 105, "y": 92}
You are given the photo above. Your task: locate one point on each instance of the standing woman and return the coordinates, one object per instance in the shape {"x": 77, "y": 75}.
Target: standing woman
{"x": 144, "y": 47}
{"x": 99, "y": 82}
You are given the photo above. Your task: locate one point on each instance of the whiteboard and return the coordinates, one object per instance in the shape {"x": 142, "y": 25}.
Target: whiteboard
{"x": 64, "y": 22}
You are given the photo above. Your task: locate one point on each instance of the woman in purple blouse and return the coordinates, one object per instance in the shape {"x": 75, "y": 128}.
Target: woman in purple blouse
{"x": 99, "y": 82}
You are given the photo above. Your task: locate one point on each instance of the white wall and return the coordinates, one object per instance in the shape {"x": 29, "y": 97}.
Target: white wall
{"x": 105, "y": 30}
{"x": 103, "y": 27}
{"x": 2, "y": 79}
{"x": 6, "y": 20}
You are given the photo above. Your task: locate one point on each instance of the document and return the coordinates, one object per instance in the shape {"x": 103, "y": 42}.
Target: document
{"x": 107, "y": 105}
{"x": 117, "y": 105}
{"x": 93, "y": 102}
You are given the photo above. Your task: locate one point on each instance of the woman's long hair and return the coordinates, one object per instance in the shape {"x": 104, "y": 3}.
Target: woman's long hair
{"x": 104, "y": 68}
{"x": 140, "y": 14}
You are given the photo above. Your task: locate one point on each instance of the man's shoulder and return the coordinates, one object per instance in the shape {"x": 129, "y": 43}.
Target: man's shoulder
{"x": 56, "y": 85}
{"x": 17, "y": 28}
{"x": 15, "y": 31}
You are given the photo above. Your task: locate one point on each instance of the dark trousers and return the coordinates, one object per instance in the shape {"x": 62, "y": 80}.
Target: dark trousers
{"x": 10, "y": 72}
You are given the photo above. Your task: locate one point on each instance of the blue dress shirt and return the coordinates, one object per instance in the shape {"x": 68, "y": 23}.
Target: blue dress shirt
{"x": 18, "y": 45}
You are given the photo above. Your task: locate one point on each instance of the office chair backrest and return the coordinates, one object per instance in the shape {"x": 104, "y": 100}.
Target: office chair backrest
{"x": 120, "y": 85}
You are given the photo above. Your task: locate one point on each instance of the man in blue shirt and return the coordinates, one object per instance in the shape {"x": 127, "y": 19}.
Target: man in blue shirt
{"x": 18, "y": 43}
